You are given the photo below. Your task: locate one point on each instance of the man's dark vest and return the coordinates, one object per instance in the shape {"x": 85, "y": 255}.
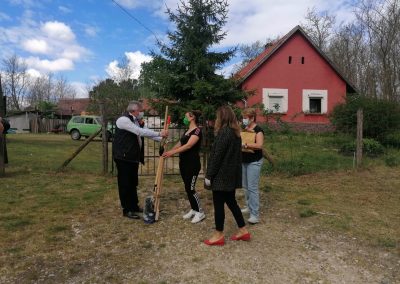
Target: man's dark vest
{"x": 126, "y": 145}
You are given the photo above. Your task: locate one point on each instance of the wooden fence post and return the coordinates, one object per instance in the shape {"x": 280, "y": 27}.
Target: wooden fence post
{"x": 104, "y": 138}
{"x": 2, "y": 154}
{"x": 359, "y": 148}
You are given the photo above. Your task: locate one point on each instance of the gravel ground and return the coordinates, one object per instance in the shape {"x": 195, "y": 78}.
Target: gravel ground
{"x": 107, "y": 248}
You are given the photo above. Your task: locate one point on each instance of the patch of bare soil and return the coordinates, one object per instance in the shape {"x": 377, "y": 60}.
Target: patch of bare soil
{"x": 104, "y": 247}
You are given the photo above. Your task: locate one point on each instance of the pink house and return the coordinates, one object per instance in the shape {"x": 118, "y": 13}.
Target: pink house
{"x": 295, "y": 78}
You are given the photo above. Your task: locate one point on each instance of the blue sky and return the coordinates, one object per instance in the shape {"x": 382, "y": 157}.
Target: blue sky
{"x": 84, "y": 40}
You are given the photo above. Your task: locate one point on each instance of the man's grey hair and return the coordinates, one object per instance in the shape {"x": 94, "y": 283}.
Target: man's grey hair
{"x": 134, "y": 105}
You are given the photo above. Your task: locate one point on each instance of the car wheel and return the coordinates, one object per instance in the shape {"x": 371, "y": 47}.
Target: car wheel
{"x": 75, "y": 134}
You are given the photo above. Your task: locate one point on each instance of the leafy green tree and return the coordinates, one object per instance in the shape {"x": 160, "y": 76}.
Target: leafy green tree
{"x": 115, "y": 96}
{"x": 381, "y": 117}
{"x": 185, "y": 70}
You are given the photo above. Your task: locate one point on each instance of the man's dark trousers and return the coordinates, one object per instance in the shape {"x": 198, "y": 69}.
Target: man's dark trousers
{"x": 127, "y": 185}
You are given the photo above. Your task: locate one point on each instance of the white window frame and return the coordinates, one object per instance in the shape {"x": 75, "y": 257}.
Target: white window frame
{"x": 315, "y": 94}
{"x": 268, "y": 92}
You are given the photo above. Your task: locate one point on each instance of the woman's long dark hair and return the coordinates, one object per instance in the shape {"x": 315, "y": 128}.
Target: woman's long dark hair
{"x": 226, "y": 118}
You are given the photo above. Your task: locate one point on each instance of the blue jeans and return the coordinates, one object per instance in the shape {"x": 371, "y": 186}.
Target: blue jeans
{"x": 250, "y": 181}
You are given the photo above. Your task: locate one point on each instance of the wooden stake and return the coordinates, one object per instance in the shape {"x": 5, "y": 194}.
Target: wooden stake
{"x": 359, "y": 148}
{"x": 67, "y": 161}
{"x": 160, "y": 172}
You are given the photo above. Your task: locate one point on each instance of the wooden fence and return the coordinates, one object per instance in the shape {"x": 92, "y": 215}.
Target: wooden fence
{"x": 46, "y": 125}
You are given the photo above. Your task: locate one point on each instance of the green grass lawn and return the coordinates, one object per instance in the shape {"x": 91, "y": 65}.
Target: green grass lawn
{"x": 39, "y": 206}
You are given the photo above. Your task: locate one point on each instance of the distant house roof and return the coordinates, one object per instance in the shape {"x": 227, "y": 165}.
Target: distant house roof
{"x": 72, "y": 106}
{"x": 253, "y": 65}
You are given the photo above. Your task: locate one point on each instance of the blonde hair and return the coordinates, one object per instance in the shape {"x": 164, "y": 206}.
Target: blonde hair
{"x": 226, "y": 118}
{"x": 250, "y": 112}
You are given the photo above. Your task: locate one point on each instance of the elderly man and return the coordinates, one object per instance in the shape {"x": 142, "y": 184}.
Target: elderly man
{"x": 128, "y": 151}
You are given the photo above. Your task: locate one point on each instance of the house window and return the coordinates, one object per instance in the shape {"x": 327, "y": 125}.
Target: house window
{"x": 315, "y": 101}
{"x": 290, "y": 60}
{"x": 315, "y": 105}
{"x": 302, "y": 60}
{"x": 275, "y": 100}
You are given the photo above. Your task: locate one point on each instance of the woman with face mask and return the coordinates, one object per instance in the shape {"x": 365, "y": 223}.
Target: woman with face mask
{"x": 188, "y": 149}
{"x": 251, "y": 165}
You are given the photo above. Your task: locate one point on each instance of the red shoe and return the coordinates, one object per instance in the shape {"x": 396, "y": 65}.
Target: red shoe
{"x": 245, "y": 237}
{"x": 219, "y": 242}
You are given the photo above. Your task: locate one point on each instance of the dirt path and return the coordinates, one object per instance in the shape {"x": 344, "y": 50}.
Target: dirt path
{"x": 106, "y": 248}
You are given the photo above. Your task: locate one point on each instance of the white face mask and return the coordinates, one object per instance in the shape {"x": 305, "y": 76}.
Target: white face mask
{"x": 140, "y": 115}
{"x": 245, "y": 121}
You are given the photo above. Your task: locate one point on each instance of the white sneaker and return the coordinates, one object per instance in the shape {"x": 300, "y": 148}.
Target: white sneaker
{"x": 198, "y": 216}
{"x": 253, "y": 220}
{"x": 245, "y": 210}
{"x": 189, "y": 215}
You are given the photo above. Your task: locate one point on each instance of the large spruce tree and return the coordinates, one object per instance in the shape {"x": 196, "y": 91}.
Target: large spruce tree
{"x": 185, "y": 69}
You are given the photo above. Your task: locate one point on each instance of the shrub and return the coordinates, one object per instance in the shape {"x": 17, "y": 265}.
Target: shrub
{"x": 392, "y": 161}
{"x": 371, "y": 148}
{"x": 392, "y": 139}
{"x": 380, "y": 116}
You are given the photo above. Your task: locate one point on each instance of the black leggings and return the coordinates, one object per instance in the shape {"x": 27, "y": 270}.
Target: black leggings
{"x": 219, "y": 200}
{"x": 189, "y": 173}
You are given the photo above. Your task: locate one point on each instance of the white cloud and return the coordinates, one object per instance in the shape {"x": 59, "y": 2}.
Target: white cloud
{"x": 35, "y": 46}
{"x": 54, "y": 41}
{"x": 91, "y": 31}
{"x": 132, "y": 4}
{"x": 135, "y": 59}
{"x": 45, "y": 65}
{"x": 64, "y": 9}
{"x": 112, "y": 68}
{"x": 4, "y": 17}
{"x": 59, "y": 31}
{"x": 249, "y": 21}
{"x": 26, "y": 3}
{"x": 33, "y": 73}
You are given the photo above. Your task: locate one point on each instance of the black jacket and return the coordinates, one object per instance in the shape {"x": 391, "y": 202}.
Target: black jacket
{"x": 126, "y": 145}
{"x": 224, "y": 167}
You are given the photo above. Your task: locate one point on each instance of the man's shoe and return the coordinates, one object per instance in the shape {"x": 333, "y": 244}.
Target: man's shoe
{"x": 198, "y": 216}
{"x": 131, "y": 215}
{"x": 138, "y": 210}
{"x": 189, "y": 215}
{"x": 253, "y": 220}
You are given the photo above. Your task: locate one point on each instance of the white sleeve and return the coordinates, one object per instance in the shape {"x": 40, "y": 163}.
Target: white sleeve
{"x": 126, "y": 124}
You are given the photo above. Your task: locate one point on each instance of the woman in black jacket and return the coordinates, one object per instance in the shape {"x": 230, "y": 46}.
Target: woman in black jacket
{"x": 224, "y": 175}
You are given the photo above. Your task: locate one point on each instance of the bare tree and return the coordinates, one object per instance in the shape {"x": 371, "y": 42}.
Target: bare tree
{"x": 38, "y": 90}
{"x": 15, "y": 80}
{"x": 319, "y": 26}
{"x": 124, "y": 71}
{"x": 381, "y": 20}
{"x": 62, "y": 89}
{"x": 47, "y": 89}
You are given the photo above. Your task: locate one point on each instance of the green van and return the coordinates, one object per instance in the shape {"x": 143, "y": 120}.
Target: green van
{"x": 86, "y": 125}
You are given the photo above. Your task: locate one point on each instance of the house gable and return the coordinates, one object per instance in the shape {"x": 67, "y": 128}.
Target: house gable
{"x": 294, "y": 64}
